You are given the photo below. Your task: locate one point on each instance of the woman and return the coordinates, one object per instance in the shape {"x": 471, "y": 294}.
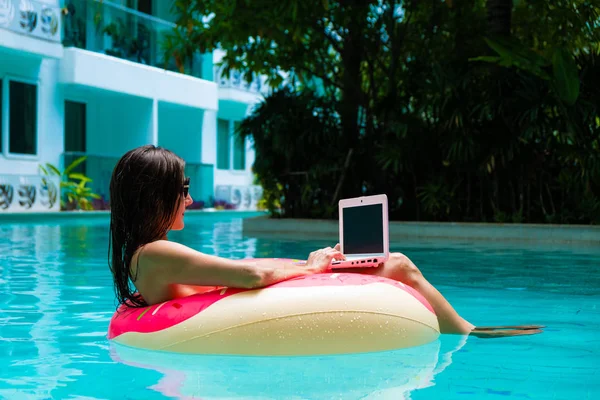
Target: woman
{"x": 149, "y": 195}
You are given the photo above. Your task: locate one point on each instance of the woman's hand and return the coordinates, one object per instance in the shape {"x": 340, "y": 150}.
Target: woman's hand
{"x": 320, "y": 260}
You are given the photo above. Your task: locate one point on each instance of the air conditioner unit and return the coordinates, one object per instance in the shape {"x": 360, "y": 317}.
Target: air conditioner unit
{"x": 33, "y": 193}
{"x": 256, "y": 194}
{"x": 240, "y": 197}
{"x": 223, "y": 193}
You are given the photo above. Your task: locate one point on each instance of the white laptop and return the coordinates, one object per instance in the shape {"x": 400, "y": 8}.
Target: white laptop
{"x": 364, "y": 231}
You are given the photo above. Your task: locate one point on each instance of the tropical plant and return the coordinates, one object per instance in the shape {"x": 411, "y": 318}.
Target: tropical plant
{"x": 130, "y": 41}
{"x": 297, "y": 129}
{"x": 467, "y": 110}
{"x": 74, "y": 192}
{"x": 73, "y": 27}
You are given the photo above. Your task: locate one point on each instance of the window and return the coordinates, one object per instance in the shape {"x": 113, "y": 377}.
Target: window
{"x": 239, "y": 150}
{"x": 145, "y": 6}
{"x": 75, "y": 127}
{"x": 75, "y": 133}
{"x": 22, "y": 118}
{"x": 222, "y": 144}
{"x": 229, "y": 146}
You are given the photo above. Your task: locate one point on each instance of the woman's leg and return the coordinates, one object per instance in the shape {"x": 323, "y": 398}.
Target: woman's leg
{"x": 402, "y": 269}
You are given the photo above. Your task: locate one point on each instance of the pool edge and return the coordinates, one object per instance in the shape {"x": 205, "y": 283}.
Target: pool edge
{"x": 302, "y": 228}
{"x": 33, "y": 217}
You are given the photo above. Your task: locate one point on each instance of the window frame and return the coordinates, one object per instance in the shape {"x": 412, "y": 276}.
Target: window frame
{"x": 231, "y": 147}
{"x": 80, "y": 100}
{"x": 228, "y": 144}
{"x": 6, "y": 79}
{"x": 232, "y": 141}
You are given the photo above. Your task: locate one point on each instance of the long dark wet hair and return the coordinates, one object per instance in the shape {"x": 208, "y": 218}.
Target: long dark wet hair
{"x": 145, "y": 192}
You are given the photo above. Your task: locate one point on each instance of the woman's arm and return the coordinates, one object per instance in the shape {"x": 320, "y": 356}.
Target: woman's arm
{"x": 172, "y": 263}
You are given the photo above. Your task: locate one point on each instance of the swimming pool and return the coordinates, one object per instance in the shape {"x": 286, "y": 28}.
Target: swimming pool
{"x": 56, "y": 300}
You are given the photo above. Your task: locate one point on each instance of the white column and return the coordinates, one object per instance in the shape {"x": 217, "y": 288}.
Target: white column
{"x": 155, "y": 122}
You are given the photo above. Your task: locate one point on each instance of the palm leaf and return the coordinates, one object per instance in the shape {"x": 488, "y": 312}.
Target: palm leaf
{"x": 74, "y": 164}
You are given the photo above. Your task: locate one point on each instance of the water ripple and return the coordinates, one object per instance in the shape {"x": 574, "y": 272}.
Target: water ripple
{"x": 56, "y": 301}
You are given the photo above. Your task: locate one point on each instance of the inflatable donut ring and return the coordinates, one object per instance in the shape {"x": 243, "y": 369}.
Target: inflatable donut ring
{"x": 330, "y": 313}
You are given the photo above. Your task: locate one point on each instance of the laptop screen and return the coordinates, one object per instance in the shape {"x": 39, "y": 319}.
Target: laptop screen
{"x": 363, "y": 229}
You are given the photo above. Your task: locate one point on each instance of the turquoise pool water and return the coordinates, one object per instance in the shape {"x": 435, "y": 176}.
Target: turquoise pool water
{"x": 56, "y": 300}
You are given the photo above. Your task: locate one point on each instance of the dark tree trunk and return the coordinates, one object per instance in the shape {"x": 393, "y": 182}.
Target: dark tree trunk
{"x": 351, "y": 98}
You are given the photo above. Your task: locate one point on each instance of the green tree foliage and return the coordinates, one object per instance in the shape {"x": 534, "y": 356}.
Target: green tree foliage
{"x": 465, "y": 110}
{"x": 301, "y": 159}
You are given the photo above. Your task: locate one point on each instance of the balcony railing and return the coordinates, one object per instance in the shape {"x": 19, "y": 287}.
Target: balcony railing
{"x": 236, "y": 80}
{"x": 202, "y": 187}
{"x": 29, "y": 193}
{"x": 31, "y": 18}
{"x": 115, "y": 30}
{"x": 99, "y": 169}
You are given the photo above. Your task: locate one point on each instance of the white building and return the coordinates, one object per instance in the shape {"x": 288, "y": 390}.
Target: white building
{"x": 87, "y": 77}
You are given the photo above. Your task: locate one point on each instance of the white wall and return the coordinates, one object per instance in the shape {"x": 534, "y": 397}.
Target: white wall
{"x": 233, "y": 111}
{"x": 180, "y": 130}
{"x": 50, "y": 133}
{"x": 232, "y": 176}
{"x": 35, "y": 41}
{"x": 118, "y": 123}
{"x": 235, "y": 177}
{"x": 83, "y": 68}
{"x": 227, "y": 177}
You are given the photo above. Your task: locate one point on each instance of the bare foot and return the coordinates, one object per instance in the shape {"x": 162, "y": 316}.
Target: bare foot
{"x": 497, "y": 333}
{"x": 523, "y": 327}
{"x": 488, "y": 332}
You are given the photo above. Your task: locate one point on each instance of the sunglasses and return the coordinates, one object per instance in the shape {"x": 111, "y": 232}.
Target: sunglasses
{"x": 186, "y": 186}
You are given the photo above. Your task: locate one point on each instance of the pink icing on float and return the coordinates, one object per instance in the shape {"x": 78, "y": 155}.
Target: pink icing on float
{"x": 333, "y": 313}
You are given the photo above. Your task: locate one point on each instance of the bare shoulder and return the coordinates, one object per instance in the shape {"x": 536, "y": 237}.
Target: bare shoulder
{"x": 152, "y": 265}
{"x": 163, "y": 247}
{"x": 173, "y": 263}
{"x": 164, "y": 252}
